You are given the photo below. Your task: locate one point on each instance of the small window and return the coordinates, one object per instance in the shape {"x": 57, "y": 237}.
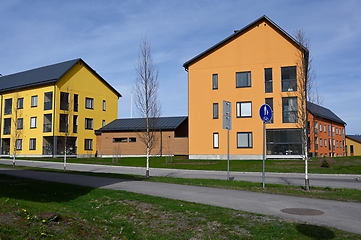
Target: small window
{"x": 33, "y": 122}
{"x": 75, "y": 123}
{"x": 88, "y": 123}
{"x": 244, "y": 140}
{"x": 320, "y": 127}
{"x": 324, "y": 128}
{"x": 215, "y": 110}
{"x": 215, "y": 81}
{"x": 34, "y": 101}
{"x": 89, "y": 103}
{"x": 115, "y": 140}
{"x": 268, "y": 80}
{"x": 88, "y": 144}
{"x": 325, "y": 143}
{"x": 320, "y": 142}
{"x": 243, "y": 79}
{"x": 132, "y": 139}
{"x": 103, "y": 123}
{"x": 20, "y": 103}
{"x": 20, "y": 123}
{"x": 19, "y": 144}
{"x": 104, "y": 105}
{"x": 76, "y": 102}
{"x": 215, "y": 140}
{"x": 32, "y": 144}
{"x": 244, "y": 109}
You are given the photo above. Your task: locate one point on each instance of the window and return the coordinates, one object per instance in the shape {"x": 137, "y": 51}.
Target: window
{"x": 289, "y": 110}
{"x": 124, "y": 139}
{"x": 76, "y": 102}
{"x": 32, "y": 144}
{"x": 34, "y": 101}
{"x": 243, "y": 79}
{"x": 8, "y": 106}
{"x": 104, "y": 105}
{"x": 103, "y": 123}
{"x": 47, "y": 122}
{"x": 20, "y": 123}
{"x": 324, "y": 128}
{"x": 336, "y": 131}
{"x": 75, "y": 124}
{"x": 7, "y": 125}
{"x": 288, "y": 75}
{"x": 88, "y": 123}
{"x": 325, "y": 142}
{"x": 132, "y": 139}
{"x": 329, "y": 130}
{"x": 64, "y": 101}
{"x": 244, "y": 109}
{"x": 333, "y": 131}
{"x": 284, "y": 141}
{"x": 89, "y": 103}
{"x": 268, "y": 80}
{"x": 19, "y": 144}
{"x": 48, "y": 100}
{"x": 269, "y": 102}
{"x": 244, "y": 140}
{"x": 315, "y": 126}
{"x": 351, "y": 150}
{"x": 88, "y": 144}
{"x": 215, "y": 140}
{"x": 33, "y": 122}
{"x": 215, "y": 81}
{"x": 63, "y": 123}
{"x": 215, "y": 110}
{"x": 320, "y": 127}
{"x": 320, "y": 142}
{"x": 20, "y": 103}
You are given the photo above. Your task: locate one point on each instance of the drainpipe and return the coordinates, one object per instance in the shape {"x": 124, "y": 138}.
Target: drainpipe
{"x": 1, "y": 139}
{"x": 53, "y": 122}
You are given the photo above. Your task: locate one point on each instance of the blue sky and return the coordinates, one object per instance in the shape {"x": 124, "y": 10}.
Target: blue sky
{"x": 106, "y": 35}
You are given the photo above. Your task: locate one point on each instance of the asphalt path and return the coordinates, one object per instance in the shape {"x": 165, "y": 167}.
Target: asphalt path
{"x": 319, "y": 180}
{"x": 341, "y": 215}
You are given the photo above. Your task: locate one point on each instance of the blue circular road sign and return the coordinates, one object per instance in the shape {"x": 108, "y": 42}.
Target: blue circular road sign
{"x": 265, "y": 112}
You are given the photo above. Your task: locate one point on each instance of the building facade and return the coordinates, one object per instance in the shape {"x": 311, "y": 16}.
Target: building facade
{"x": 353, "y": 145}
{"x": 54, "y": 109}
{"x": 253, "y": 66}
{"x": 123, "y": 137}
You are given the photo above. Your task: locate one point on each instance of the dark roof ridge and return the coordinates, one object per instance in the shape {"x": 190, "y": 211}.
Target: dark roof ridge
{"x": 323, "y": 112}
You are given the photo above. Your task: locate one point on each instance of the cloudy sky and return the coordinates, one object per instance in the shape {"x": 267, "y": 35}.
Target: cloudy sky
{"x": 106, "y": 34}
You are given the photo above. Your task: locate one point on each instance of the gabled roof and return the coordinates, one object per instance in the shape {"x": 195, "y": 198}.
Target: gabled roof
{"x": 44, "y": 75}
{"x": 240, "y": 32}
{"x": 356, "y": 138}
{"x": 323, "y": 112}
{"x": 138, "y": 124}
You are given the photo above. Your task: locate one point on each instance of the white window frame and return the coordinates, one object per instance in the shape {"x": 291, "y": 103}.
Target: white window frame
{"x": 244, "y": 109}
{"x": 34, "y": 101}
{"x": 247, "y": 137}
{"x": 32, "y": 144}
{"x": 33, "y": 122}
{"x": 216, "y": 140}
{"x": 239, "y": 77}
{"x": 89, "y": 103}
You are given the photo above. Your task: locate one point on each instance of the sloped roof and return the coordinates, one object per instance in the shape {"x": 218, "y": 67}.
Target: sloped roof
{"x": 240, "y": 32}
{"x": 323, "y": 112}
{"x": 138, "y": 124}
{"x": 44, "y": 75}
{"x": 356, "y": 138}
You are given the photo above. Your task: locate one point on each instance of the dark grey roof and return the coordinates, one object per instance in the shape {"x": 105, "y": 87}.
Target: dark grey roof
{"x": 44, "y": 75}
{"x": 323, "y": 112}
{"x": 240, "y": 32}
{"x": 355, "y": 137}
{"x": 138, "y": 124}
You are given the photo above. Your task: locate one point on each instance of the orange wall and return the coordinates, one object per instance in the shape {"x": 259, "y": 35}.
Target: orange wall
{"x": 260, "y": 47}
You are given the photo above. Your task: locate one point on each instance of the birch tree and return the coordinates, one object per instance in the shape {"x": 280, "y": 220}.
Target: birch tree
{"x": 17, "y": 122}
{"x": 145, "y": 90}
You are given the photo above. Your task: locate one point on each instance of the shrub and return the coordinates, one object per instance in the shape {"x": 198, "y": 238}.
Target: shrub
{"x": 325, "y": 164}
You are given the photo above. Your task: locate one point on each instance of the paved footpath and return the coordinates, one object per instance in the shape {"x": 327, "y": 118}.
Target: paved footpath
{"x": 341, "y": 215}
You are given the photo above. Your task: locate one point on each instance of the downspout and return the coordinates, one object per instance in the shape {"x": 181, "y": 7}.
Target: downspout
{"x": 53, "y": 122}
{"x": 1, "y": 139}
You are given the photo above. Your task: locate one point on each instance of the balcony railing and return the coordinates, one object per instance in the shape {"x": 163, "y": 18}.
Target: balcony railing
{"x": 47, "y": 105}
{"x": 289, "y": 117}
{"x": 47, "y": 127}
{"x": 289, "y": 85}
{"x": 7, "y": 130}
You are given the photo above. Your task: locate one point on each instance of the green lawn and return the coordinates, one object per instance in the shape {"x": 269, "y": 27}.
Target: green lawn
{"x": 31, "y": 209}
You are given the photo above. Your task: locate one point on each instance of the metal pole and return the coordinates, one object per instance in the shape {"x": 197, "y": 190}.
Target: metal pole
{"x": 228, "y": 154}
{"x": 264, "y": 154}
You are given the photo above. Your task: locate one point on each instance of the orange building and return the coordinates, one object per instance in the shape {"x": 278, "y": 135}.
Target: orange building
{"x": 253, "y": 66}
{"x": 327, "y": 132}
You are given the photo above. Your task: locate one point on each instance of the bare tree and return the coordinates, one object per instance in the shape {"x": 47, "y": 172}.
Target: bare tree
{"x": 17, "y": 123}
{"x": 145, "y": 90}
{"x": 306, "y": 92}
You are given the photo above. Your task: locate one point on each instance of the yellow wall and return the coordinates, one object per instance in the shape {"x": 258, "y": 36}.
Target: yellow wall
{"x": 260, "y": 47}
{"x": 356, "y": 147}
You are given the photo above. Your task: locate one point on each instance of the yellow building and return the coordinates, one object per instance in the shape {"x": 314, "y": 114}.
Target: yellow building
{"x": 54, "y": 109}
{"x": 253, "y": 66}
{"x": 353, "y": 145}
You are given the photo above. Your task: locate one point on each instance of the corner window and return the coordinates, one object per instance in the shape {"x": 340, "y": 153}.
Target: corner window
{"x": 243, "y": 79}
{"x": 89, "y": 103}
{"x": 34, "y": 101}
{"x": 215, "y": 110}
{"x": 32, "y": 144}
{"x": 89, "y": 123}
{"x": 215, "y": 140}
{"x": 268, "y": 88}
{"x": 48, "y": 100}
{"x": 88, "y": 144}
{"x": 33, "y": 122}
{"x": 20, "y": 103}
{"x": 288, "y": 75}
{"x": 244, "y": 109}
{"x": 215, "y": 81}
{"x": 289, "y": 110}
{"x": 244, "y": 140}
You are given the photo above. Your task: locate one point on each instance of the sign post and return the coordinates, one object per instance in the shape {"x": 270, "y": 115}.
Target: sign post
{"x": 265, "y": 112}
{"x": 227, "y": 124}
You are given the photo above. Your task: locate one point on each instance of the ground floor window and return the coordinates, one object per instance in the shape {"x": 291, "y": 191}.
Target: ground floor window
{"x": 284, "y": 141}
{"x": 88, "y": 144}
{"x": 32, "y": 144}
{"x": 244, "y": 140}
